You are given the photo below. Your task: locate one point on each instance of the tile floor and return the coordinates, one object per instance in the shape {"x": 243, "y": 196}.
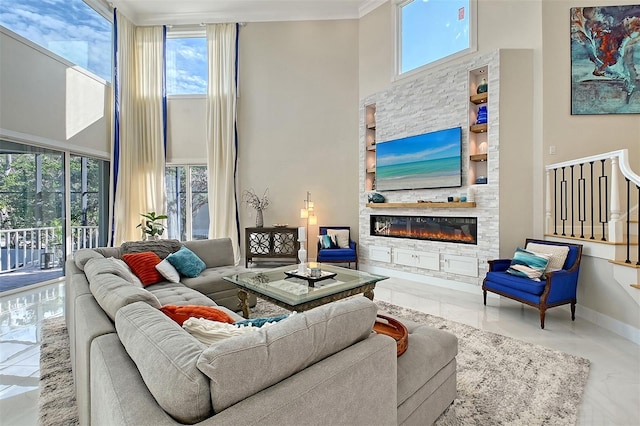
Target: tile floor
{"x": 612, "y": 394}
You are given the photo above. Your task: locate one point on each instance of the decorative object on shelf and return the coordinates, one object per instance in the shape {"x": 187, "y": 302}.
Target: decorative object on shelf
{"x": 260, "y": 204}
{"x": 280, "y": 225}
{"x": 481, "y": 179}
{"x": 376, "y": 198}
{"x": 471, "y": 194}
{"x": 151, "y": 226}
{"x": 463, "y": 198}
{"x": 450, "y": 199}
{"x": 482, "y": 148}
{"x": 483, "y": 87}
{"x": 482, "y": 115}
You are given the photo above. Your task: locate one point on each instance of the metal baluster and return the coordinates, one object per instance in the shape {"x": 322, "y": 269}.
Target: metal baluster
{"x": 573, "y": 215}
{"x": 555, "y": 201}
{"x": 638, "y": 262}
{"x": 592, "y": 217}
{"x": 581, "y": 200}
{"x": 627, "y": 260}
{"x": 603, "y": 215}
{"x": 563, "y": 202}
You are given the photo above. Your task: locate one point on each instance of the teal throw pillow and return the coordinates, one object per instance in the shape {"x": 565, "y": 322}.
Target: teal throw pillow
{"x": 528, "y": 264}
{"x": 186, "y": 262}
{"x": 326, "y": 242}
{"x": 259, "y": 322}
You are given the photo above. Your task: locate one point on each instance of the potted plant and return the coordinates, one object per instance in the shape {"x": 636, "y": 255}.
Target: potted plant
{"x": 151, "y": 226}
{"x": 251, "y": 199}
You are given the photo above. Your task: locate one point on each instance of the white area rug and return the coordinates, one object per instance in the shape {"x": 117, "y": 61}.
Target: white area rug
{"x": 501, "y": 381}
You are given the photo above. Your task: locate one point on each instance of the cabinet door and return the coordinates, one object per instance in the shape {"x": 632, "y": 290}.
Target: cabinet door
{"x": 404, "y": 257}
{"x": 461, "y": 265}
{"x": 428, "y": 260}
{"x": 380, "y": 254}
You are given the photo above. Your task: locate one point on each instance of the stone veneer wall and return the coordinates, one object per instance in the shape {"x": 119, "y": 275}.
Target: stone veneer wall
{"x": 436, "y": 99}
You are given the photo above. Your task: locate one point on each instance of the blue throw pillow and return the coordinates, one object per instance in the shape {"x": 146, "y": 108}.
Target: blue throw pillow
{"x": 259, "y": 322}
{"x": 186, "y": 262}
{"x": 528, "y": 264}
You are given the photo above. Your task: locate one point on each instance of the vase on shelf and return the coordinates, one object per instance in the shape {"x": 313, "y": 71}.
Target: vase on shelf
{"x": 483, "y": 87}
{"x": 259, "y": 219}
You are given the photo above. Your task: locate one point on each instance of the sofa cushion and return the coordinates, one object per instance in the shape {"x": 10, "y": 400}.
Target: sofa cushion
{"x": 341, "y": 236}
{"x": 162, "y": 248}
{"x": 166, "y": 358}
{"x": 211, "y": 332}
{"x": 144, "y": 266}
{"x": 177, "y": 294}
{"x": 213, "y": 252}
{"x": 97, "y": 266}
{"x": 186, "y": 262}
{"x": 274, "y": 353}
{"x": 109, "y": 251}
{"x": 113, "y": 292}
{"x": 182, "y": 313}
{"x": 211, "y": 280}
{"x": 82, "y": 256}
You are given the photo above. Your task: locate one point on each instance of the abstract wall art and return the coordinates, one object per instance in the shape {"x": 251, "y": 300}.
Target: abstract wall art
{"x": 605, "y": 60}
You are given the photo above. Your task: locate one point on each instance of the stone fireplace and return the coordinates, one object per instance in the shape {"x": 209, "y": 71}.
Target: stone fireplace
{"x": 463, "y": 230}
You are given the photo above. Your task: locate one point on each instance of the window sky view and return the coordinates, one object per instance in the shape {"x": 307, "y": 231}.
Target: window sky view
{"x": 68, "y": 28}
{"x": 187, "y": 66}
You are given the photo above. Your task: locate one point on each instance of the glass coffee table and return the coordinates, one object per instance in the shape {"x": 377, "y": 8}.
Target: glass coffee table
{"x": 286, "y": 288}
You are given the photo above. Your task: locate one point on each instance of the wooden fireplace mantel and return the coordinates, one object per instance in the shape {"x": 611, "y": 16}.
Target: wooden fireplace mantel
{"x": 425, "y": 205}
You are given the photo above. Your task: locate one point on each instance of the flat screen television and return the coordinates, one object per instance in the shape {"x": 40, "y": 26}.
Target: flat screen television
{"x": 430, "y": 160}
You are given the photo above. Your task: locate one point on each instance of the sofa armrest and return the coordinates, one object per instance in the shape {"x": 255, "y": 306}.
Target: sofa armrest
{"x": 214, "y": 252}
{"x": 562, "y": 285}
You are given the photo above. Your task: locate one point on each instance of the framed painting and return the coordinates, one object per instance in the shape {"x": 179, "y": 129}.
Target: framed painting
{"x": 605, "y": 60}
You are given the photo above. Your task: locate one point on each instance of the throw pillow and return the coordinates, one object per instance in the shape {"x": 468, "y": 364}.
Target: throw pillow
{"x": 167, "y": 270}
{"x": 326, "y": 242}
{"x": 143, "y": 266}
{"x": 186, "y": 262}
{"x": 182, "y": 313}
{"x": 259, "y": 322}
{"x": 558, "y": 254}
{"x": 341, "y": 236}
{"x": 162, "y": 248}
{"x": 528, "y": 264}
{"x": 210, "y": 332}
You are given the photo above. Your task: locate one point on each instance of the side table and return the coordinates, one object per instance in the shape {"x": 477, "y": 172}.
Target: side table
{"x": 262, "y": 243}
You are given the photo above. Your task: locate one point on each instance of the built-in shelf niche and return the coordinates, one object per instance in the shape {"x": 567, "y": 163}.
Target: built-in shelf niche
{"x": 370, "y": 147}
{"x": 478, "y": 133}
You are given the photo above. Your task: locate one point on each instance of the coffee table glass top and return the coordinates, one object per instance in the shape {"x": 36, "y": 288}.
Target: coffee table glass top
{"x": 291, "y": 290}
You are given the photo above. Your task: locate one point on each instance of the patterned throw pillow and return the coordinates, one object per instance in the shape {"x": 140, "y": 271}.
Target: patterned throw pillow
{"x": 187, "y": 262}
{"x": 528, "y": 264}
{"x": 326, "y": 242}
{"x": 182, "y": 313}
{"x": 259, "y": 322}
{"x": 143, "y": 266}
{"x": 558, "y": 254}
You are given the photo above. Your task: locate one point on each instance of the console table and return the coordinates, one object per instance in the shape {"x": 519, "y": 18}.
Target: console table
{"x": 263, "y": 243}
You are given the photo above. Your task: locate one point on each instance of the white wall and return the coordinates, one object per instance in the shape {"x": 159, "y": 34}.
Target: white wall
{"x": 45, "y": 99}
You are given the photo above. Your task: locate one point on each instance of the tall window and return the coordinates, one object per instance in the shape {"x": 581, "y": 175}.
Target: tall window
{"x": 187, "y": 72}
{"x": 431, "y": 31}
{"x": 187, "y": 202}
{"x": 33, "y": 216}
{"x": 69, "y": 28}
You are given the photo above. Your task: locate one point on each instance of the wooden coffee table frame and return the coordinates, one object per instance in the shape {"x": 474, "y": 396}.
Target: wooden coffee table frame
{"x": 243, "y": 296}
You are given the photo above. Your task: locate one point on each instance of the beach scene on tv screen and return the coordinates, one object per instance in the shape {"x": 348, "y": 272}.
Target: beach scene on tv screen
{"x": 430, "y": 160}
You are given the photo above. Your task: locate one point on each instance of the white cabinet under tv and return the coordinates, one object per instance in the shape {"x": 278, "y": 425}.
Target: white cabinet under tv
{"x": 418, "y": 259}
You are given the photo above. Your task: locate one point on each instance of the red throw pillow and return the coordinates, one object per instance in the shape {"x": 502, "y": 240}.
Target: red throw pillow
{"x": 182, "y": 313}
{"x": 144, "y": 266}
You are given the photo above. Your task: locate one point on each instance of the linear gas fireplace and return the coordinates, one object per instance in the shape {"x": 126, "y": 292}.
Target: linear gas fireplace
{"x": 462, "y": 230}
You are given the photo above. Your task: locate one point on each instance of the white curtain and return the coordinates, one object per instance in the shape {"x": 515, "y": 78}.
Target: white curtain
{"x": 221, "y": 133}
{"x": 140, "y": 186}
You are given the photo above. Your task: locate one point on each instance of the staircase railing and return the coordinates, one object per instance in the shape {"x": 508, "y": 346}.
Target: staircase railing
{"x": 583, "y": 199}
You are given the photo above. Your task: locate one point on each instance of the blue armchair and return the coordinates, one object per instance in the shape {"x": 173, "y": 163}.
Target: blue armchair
{"x": 337, "y": 255}
{"x": 558, "y": 288}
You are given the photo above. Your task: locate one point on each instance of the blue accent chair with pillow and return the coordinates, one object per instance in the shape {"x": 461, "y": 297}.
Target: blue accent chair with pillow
{"x": 557, "y": 285}
{"x": 330, "y": 252}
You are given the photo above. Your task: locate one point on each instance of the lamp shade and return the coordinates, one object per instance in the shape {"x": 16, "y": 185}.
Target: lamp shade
{"x": 313, "y": 219}
{"x": 304, "y": 213}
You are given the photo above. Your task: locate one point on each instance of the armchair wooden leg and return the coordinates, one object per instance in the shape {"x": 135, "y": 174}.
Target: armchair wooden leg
{"x": 542, "y": 312}
{"x": 573, "y": 311}
{"x": 485, "y": 297}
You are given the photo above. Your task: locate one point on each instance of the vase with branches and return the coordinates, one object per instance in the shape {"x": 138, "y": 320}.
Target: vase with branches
{"x": 151, "y": 226}
{"x": 251, "y": 199}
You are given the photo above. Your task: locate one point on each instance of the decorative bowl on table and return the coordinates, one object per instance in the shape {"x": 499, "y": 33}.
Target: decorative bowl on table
{"x": 280, "y": 225}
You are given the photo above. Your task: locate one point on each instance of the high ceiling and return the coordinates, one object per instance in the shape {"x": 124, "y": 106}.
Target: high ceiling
{"x": 179, "y": 12}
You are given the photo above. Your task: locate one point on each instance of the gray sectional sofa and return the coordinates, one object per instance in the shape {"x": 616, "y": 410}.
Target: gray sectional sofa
{"x": 133, "y": 365}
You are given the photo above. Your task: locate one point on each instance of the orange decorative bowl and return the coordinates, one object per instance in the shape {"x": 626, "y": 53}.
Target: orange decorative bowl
{"x": 394, "y": 328}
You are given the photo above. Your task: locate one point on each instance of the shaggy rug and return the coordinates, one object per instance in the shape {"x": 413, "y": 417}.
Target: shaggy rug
{"x": 501, "y": 381}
